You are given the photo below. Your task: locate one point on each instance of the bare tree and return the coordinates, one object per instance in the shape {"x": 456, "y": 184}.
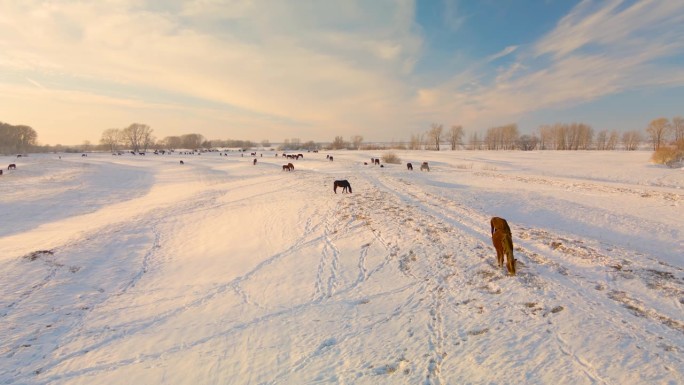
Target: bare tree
{"x": 435, "y": 134}
{"x": 455, "y": 136}
{"x": 474, "y": 142}
{"x": 613, "y": 139}
{"x": 86, "y": 146}
{"x": 192, "y": 141}
{"x": 416, "y": 141}
{"x": 527, "y": 142}
{"x": 658, "y": 130}
{"x": 356, "y": 141}
{"x": 338, "y": 143}
{"x": 678, "y": 128}
{"x": 134, "y": 135}
{"x": 601, "y": 140}
{"x": 172, "y": 142}
{"x": 265, "y": 143}
{"x": 632, "y": 139}
{"x": 111, "y": 137}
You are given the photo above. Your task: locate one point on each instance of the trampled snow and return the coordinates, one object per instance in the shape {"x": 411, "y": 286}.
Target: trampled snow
{"x": 137, "y": 269}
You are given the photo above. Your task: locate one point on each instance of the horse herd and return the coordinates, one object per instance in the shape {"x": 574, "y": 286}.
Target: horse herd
{"x": 502, "y": 238}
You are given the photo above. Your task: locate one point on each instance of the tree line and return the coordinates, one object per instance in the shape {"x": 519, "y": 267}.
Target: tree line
{"x": 560, "y": 136}
{"x": 16, "y": 139}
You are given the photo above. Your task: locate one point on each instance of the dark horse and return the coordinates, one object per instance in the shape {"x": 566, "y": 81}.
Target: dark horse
{"x": 342, "y": 183}
{"x": 12, "y": 166}
{"x": 409, "y": 166}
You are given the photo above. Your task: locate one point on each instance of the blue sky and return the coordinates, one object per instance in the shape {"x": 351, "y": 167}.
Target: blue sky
{"x": 383, "y": 69}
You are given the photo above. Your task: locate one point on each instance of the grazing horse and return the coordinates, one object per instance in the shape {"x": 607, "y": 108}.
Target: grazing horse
{"x": 503, "y": 243}
{"x": 331, "y": 158}
{"x": 291, "y": 166}
{"x": 344, "y": 184}
{"x": 84, "y": 155}
{"x": 254, "y": 163}
{"x": 409, "y": 166}
{"x": 424, "y": 166}
{"x": 377, "y": 161}
{"x": 12, "y": 166}
{"x": 286, "y": 168}
{"x": 181, "y": 162}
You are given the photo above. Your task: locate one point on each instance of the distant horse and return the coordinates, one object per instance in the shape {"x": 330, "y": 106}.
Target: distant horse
{"x": 291, "y": 166}
{"x": 409, "y": 166}
{"x": 84, "y": 155}
{"x": 372, "y": 160}
{"x": 331, "y": 158}
{"x": 181, "y": 162}
{"x": 0, "y": 172}
{"x": 12, "y": 166}
{"x": 377, "y": 161}
{"x": 365, "y": 163}
{"x": 254, "y": 163}
{"x": 424, "y": 166}
{"x": 344, "y": 184}
{"x": 286, "y": 168}
{"x": 300, "y": 156}
{"x": 503, "y": 243}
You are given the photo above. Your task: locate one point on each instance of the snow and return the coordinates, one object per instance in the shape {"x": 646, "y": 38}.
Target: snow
{"x": 137, "y": 269}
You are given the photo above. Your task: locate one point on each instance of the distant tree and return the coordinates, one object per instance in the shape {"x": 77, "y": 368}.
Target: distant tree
{"x": 18, "y": 138}
{"x": 338, "y": 143}
{"x": 86, "y": 146}
{"x": 265, "y": 143}
{"x": 192, "y": 141}
{"x": 435, "y": 135}
{"x": 455, "y": 136}
{"x": 678, "y": 128}
{"x": 502, "y": 137}
{"x": 632, "y": 139}
{"x": 474, "y": 142}
{"x": 310, "y": 146}
{"x": 658, "y": 130}
{"x": 356, "y": 141}
{"x": 527, "y": 142}
{"x": 613, "y": 138}
{"x": 137, "y": 136}
{"x": 601, "y": 140}
{"x": 111, "y": 138}
{"x": 416, "y": 141}
{"x": 172, "y": 142}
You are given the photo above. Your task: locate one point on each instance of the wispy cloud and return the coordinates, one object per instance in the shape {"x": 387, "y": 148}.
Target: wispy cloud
{"x": 598, "y": 49}
{"x": 504, "y": 52}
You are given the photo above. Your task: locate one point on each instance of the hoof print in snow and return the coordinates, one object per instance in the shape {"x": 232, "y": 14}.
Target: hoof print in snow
{"x": 478, "y": 332}
{"x": 37, "y": 254}
{"x": 557, "y": 309}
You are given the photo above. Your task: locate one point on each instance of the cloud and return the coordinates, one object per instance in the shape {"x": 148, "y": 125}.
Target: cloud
{"x": 319, "y": 64}
{"x": 598, "y": 49}
{"x": 504, "y": 52}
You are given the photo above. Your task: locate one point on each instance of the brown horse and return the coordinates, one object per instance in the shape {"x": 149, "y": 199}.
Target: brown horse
{"x": 503, "y": 243}
{"x": 409, "y": 166}
{"x": 12, "y": 166}
{"x": 254, "y": 161}
{"x": 424, "y": 166}
{"x": 181, "y": 162}
{"x": 344, "y": 184}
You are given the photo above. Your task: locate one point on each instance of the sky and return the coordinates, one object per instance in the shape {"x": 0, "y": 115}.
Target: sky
{"x": 314, "y": 70}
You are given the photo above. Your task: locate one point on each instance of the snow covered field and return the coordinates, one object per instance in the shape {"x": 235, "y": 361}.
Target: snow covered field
{"x": 131, "y": 269}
